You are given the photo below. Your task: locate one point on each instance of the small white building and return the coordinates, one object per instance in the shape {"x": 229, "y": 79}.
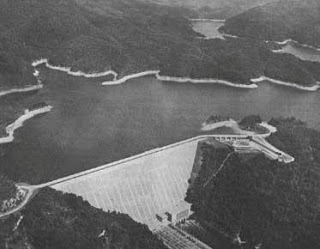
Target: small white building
{"x": 179, "y": 212}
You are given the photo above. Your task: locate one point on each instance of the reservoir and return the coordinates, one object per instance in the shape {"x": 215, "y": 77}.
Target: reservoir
{"x": 91, "y": 125}
{"x": 208, "y": 28}
{"x": 302, "y": 52}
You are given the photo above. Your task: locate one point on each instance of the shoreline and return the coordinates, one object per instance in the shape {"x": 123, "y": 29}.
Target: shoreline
{"x": 73, "y": 73}
{"x": 230, "y": 123}
{"x": 285, "y": 42}
{"x": 210, "y": 38}
{"x": 269, "y": 127}
{"x": 176, "y": 79}
{"x": 204, "y": 81}
{"x": 156, "y": 73}
{"x": 301, "y": 57}
{"x": 279, "y": 51}
{"x": 206, "y": 20}
{"x": 282, "y": 43}
{"x": 137, "y": 75}
{"x": 21, "y": 90}
{"x": 129, "y": 77}
{"x": 228, "y": 35}
{"x": 284, "y": 83}
{"x": 18, "y": 123}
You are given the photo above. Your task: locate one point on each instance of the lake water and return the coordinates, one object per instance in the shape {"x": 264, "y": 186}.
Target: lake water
{"x": 91, "y": 125}
{"x": 304, "y": 53}
{"x": 209, "y": 28}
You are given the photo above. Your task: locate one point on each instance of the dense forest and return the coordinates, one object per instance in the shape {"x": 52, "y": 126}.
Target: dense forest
{"x": 217, "y": 9}
{"x": 267, "y": 203}
{"x": 129, "y": 37}
{"x": 7, "y": 188}
{"x": 278, "y": 21}
{"x": 54, "y": 220}
{"x": 238, "y": 61}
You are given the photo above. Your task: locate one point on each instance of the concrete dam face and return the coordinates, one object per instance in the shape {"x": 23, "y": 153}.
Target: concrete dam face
{"x": 141, "y": 186}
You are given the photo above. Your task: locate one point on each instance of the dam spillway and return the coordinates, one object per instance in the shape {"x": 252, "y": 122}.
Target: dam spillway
{"x": 141, "y": 186}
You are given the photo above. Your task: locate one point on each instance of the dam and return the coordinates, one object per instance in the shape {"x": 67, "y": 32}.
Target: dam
{"x": 141, "y": 187}
{"x": 148, "y": 185}
{"x": 151, "y": 187}
{"x": 145, "y": 186}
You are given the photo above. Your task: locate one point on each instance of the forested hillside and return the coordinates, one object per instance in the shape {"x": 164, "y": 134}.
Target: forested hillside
{"x": 7, "y": 189}
{"x": 217, "y": 9}
{"x": 90, "y": 36}
{"x": 129, "y": 37}
{"x": 54, "y": 220}
{"x": 278, "y": 21}
{"x": 266, "y": 203}
{"x": 238, "y": 61}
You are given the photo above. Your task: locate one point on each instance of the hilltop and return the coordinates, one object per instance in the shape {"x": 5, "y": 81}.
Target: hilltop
{"x": 218, "y": 9}
{"x": 265, "y": 203}
{"x": 279, "y": 21}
